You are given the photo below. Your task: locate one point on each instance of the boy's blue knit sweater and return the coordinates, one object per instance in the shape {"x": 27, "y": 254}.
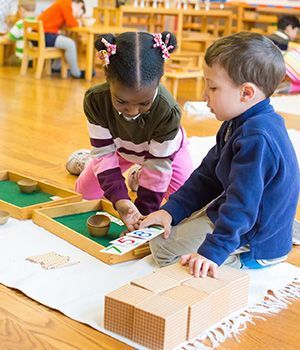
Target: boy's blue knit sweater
{"x": 251, "y": 180}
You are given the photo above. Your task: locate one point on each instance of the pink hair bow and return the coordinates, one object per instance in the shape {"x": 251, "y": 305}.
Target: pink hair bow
{"x": 163, "y": 45}
{"x": 104, "y": 55}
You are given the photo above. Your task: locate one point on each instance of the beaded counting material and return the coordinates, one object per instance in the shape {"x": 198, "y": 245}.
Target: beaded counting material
{"x": 51, "y": 260}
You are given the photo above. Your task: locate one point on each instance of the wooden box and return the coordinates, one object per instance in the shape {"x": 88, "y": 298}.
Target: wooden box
{"x": 119, "y": 308}
{"x": 199, "y": 308}
{"x": 160, "y": 323}
{"x": 48, "y": 217}
{"x": 21, "y": 205}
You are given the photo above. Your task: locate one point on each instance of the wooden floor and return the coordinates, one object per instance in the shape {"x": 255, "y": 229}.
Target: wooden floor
{"x": 41, "y": 123}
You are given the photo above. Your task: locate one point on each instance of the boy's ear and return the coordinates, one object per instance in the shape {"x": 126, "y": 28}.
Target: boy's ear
{"x": 248, "y": 91}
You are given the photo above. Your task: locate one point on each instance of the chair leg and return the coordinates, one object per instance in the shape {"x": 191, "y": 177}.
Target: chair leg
{"x": 48, "y": 66}
{"x": 24, "y": 65}
{"x": 64, "y": 68}
{"x": 200, "y": 85}
{"x": 1, "y": 55}
{"x": 39, "y": 68}
{"x": 175, "y": 88}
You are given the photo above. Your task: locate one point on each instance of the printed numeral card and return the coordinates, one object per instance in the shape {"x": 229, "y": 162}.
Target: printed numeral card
{"x": 111, "y": 217}
{"x": 132, "y": 240}
{"x": 147, "y": 233}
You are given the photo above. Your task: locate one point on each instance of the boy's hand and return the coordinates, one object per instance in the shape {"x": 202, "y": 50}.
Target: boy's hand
{"x": 199, "y": 265}
{"x": 160, "y": 217}
{"x": 129, "y": 214}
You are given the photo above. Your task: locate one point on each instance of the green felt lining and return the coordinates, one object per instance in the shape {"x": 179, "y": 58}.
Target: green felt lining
{"x": 10, "y": 193}
{"x": 77, "y": 222}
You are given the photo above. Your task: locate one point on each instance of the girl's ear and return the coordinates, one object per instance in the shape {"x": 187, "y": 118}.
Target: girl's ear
{"x": 248, "y": 91}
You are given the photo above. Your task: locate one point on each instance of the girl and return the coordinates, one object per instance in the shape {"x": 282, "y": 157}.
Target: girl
{"x": 63, "y": 13}
{"x": 132, "y": 119}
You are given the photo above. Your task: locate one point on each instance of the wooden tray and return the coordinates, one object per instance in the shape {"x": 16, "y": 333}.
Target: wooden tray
{"x": 46, "y": 218}
{"x": 25, "y": 212}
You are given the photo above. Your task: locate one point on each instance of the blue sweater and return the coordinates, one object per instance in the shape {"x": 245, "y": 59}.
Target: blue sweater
{"x": 251, "y": 180}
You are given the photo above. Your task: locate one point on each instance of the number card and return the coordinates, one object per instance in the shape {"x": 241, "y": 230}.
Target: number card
{"x": 116, "y": 250}
{"x": 111, "y": 217}
{"x": 126, "y": 241}
{"x": 147, "y": 233}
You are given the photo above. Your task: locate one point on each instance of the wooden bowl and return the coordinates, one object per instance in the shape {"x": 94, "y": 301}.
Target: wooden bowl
{"x": 4, "y": 215}
{"x": 98, "y": 225}
{"x": 27, "y": 185}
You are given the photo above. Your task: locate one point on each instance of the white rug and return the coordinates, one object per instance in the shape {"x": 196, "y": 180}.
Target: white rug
{"x": 199, "y": 146}
{"x": 282, "y": 104}
{"x": 78, "y": 291}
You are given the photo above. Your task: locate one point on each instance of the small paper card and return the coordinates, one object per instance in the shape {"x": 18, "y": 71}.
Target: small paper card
{"x": 111, "y": 217}
{"x": 126, "y": 241}
{"x": 116, "y": 249}
{"x": 147, "y": 233}
{"x": 55, "y": 198}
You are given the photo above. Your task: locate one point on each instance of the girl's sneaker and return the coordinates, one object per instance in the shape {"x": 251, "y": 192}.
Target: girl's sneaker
{"x": 133, "y": 177}
{"x": 296, "y": 232}
{"x": 77, "y": 161}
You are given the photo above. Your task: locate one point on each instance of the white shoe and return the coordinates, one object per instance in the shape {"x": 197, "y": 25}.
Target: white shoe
{"x": 296, "y": 232}
{"x": 77, "y": 161}
{"x": 133, "y": 177}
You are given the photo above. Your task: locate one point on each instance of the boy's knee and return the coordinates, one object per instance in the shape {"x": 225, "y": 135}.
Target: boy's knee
{"x": 161, "y": 255}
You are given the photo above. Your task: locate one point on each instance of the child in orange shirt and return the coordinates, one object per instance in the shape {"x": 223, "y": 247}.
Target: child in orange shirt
{"x": 63, "y": 13}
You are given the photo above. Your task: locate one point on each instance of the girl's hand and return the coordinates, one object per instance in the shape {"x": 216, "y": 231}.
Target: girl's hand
{"x": 160, "y": 217}
{"x": 129, "y": 214}
{"x": 199, "y": 265}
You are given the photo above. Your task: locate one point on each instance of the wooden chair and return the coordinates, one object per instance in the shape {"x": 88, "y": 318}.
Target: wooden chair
{"x": 182, "y": 67}
{"x": 34, "y": 32}
{"x": 6, "y": 47}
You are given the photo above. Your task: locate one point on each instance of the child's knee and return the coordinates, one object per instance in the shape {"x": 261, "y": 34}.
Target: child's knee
{"x": 161, "y": 255}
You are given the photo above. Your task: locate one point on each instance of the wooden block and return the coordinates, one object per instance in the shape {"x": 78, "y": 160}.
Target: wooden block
{"x": 176, "y": 271}
{"x": 22, "y": 213}
{"x": 229, "y": 292}
{"x": 199, "y": 308}
{"x": 155, "y": 282}
{"x": 119, "y": 308}
{"x": 160, "y": 323}
{"x": 218, "y": 292}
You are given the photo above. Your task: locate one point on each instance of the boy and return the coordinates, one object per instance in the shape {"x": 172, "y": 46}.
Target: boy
{"x": 26, "y": 10}
{"x": 287, "y": 31}
{"x": 248, "y": 184}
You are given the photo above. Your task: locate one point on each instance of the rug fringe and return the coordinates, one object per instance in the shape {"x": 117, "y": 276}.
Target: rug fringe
{"x": 235, "y": 324}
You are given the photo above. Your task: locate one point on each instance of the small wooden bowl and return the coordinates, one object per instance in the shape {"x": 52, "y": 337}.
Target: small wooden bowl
{"x": 98, "y": 225}
{"x": 27, "y": 185}
{"x": 4, "y": 216}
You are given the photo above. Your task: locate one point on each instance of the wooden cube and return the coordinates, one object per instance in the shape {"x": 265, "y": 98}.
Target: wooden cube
{"x": 229, "y": 292}
{"x": 176, "y": 271}
{"x": 119, "y": 308}
{"x": 199, "y": 308}
{"x": 160, "y": 323}
{"x": 156, "y": 282}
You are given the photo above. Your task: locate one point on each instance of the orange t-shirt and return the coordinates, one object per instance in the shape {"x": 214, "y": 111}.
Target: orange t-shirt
{"x": 58, "y": 15}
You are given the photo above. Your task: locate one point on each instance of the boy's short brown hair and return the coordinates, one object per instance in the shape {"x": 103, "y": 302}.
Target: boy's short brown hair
{"x": 249, "y": 57}
{"x": 27, "y": 5}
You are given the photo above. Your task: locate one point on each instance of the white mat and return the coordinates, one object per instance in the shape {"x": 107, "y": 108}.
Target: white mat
{"x": 282, "y": 104}
{"x": 287, "y": 104}
{"x": 199, "y": 146}
{"x": 78, "y": 290}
